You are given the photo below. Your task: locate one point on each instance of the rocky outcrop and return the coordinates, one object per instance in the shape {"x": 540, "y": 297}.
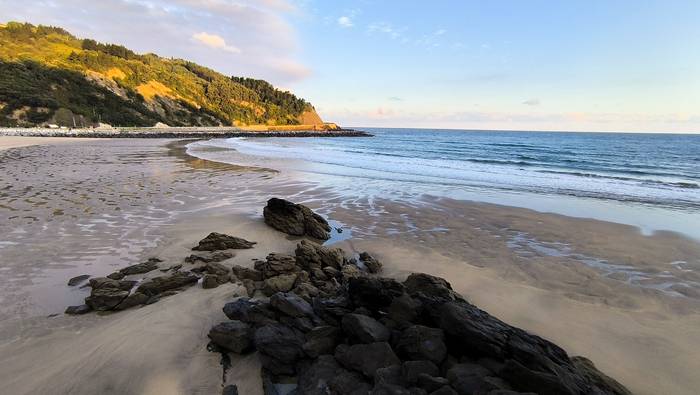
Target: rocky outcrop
{"x": 295, "y": 219}
{"x": 140, "y": 268}
{"x": 219, "y": 241}
{"x": 369, "y": 335}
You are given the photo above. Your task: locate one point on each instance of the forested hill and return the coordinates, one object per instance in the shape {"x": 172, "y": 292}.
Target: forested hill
{"x": 48, "y": 76}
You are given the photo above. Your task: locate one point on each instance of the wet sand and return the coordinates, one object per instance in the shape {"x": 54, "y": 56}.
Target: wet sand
{"x": 7, "y": 142}
{"x": 625, "y": 300}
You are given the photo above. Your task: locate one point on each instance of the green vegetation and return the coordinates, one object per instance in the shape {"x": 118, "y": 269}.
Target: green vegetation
{"x": 45, "y": 69}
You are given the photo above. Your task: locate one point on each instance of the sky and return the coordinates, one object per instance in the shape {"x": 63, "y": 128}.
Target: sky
{"x": 595, "y": 65}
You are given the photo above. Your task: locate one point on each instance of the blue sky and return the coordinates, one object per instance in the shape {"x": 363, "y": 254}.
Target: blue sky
{"x": 524, "y": 65}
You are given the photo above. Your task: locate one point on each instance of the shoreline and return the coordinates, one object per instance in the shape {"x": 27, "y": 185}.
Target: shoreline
{"x": 178, "y": 132}
{"x": 641, "y": 337}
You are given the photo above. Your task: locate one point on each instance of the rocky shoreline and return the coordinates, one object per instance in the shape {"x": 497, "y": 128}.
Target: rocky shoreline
{"x": 324, "y": 322}
{"x": 176, "y": 133}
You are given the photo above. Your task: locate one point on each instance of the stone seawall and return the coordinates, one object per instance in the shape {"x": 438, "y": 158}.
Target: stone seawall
{"x": 185, "y": 132}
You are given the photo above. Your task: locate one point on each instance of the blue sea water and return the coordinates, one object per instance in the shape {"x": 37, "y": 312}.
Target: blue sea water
{"x": 648, "y": 180}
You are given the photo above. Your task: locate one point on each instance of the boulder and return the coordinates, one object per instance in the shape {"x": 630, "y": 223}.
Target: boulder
{"x": 230, "y": 390}
{"x": 431, "y": 287}
{"x": 419, "y": 342}
{"x": 77, "y": 280}
{"x": 295, "y": 219}
{"x": 404, "y": 309}
{"x": 346, "y": 382}
{"x": 239, "y": 309}
{"x": 410, "y": 370}
{"x": 390, "y": 375}
{"x": 209, "y": 257}
{"x": 363, "y": 329}
{"x": 219, "y": 241}
{"x": 140, "y": 268}
{"x": 291, "y": 305}
{"x": 106, "y": 298}
{"x": 366, "y": 358}
{"x": 586, "y": 368}
{"x": 446, "y": 390}
{"x": 306, "y": 291}
{"x": 372, "y": 264}
{"x": 212, "y": 281}
{"x": 310, "y": 256}
{"x": 244, "y": 273}
{"x": 161, "y": 284}
{"x": 279, "y": 342}
{"x": 374, "y": 293}
{"x": 316, "y": 379}
{"x": 431, "y": 383}
{"x": 276, "y": 264}
{"x": 78, "y": 310}
{"x": 135, "y": 299}
{"x": 281, "y": 283}
{"x": 321, "y": 340}
{"x": 116, "y": 276}
{"x": 234, "y": 336}
{"x": 350, "y": 271}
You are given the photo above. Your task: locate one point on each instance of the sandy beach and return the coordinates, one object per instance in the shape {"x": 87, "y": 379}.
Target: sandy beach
{"x": 626, "y": 300}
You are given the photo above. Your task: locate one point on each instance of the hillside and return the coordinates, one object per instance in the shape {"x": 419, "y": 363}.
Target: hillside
{"x": 49, "y": 76}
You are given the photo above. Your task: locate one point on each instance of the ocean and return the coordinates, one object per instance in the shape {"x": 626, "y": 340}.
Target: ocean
{"x": 647, "y": 180}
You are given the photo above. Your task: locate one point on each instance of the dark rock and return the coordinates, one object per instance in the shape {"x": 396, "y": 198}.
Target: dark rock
{"x": 280, "y": 342}
{"x": 212, "y": 281}
{"x": 306, "y": 291}
{"x": 135, "y": 299}
{"x": 543, "y": 383}
{"x": 391, "y": 389}
{"x": 411, "y": 369}
{"x": 366, "y": 358}
{"x": 161, "y": 284}
{"x": 77, "y": 280}
{"x": 291, "y": 305}
{"x": 421, "y": 342}
{"x": 477, "y": 331}
{"x": 332, "y": 308}
{"x": 211, "y": 257}
{"x": 404, "y": 309}
{"x": 277, "y": 368}
{"x": 431, "y": 287}
{"x": 116, "y": 276}
{"x": 321, "y": 340}
{"x": 509, "y": 392}
{"x": 446, "y": 390}
{"x": 295, "y": 219}
{"x": 364, "y": 329}
{"x": 316, "y": 379}
{"x": 374, "y": 293}
{"x": 466, "y": 370}
{"x": 310, "y": 256}
{"x": 303, "y": 324}
{"x": 230, "y": 390}
{"x": 244, "y": 273}
{"x": 219, "y": 241}
{"x": 605, "y": 383}
{"x": 140, "y": 268}
{"x": 350, "y": 271}
{"x": 372, "y": 264}
{"x": 103, "y": 282}
{"x": 330, "y": 272}
{"x": 390, "y": 375}
{"x": 346, "y": 382}
{"x": 235, "y": 336}
{"x": 78, "y": 310}
{"x": 106, "y": 298}
{"x": 431, "y": 383}
{"x": 276, "y": 264}
{"x": 281, "y": 283}
{"x": 239, "y": 309}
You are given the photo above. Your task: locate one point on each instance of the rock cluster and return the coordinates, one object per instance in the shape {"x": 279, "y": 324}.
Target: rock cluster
{"x": 335, "y": 330}
{"x": 295, "y": 219}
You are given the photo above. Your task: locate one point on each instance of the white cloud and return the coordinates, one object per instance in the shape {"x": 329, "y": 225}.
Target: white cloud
{"x": 215, "y": 41}
{"x": 385, "y": 28}
{"x": 532, "y": 102}
{"x": 345, "y": 21}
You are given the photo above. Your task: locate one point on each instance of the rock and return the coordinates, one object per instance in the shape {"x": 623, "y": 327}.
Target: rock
{"x": 106, "y": 297}
{"x": 276, "y": 264}
{"x": 230, "y": 390}
{"x": 219, "y": 241}
{"x": 330, "y": 272}
{"x": 158, "y": 285}
{"x": 372, "y": 265}
{"x": 366, "y": 358}
{"x": 391, "y": 389}
{"x": 404, "y": 309}
{"x": 211, "y": 257}
{"x": 295, "y": 219}
{"x": 431, "y": 287}
{"x": 350, "y": 271}
{"x": 374, "y": 293}
{"x": 607, "y": 384}
{"x": 291, "y": 305}
{"x": 321, "y": 340}
{"x": 316, "y": 379}
{"x": 244, "y": 273}
{"x": 135, "y": 299}
{"x": 103, "y": 282}
{"x": 346, "y": 382}
{"x": 306, "y": 291}
{"x": 364, "y": 329}
{"x": 479, "y": 333}
{"x": 446, "y": 390}
{"x": 235, "y": 336}
{"x": 140, "y": 268}
{"x": 217, "y": 269}
{"x": 332, "y": 308}
{"x": 77, "y": 280}
{"x": 78, "y": 310}
{"x": 281, "y": 283}
{"x": 211, "y": 281}
{"x": 279, "y": 342}
{"x": 390, "y": 375}
{"x": 239, "y": 309}
{"x": 419, "y": 342}
{"x": 411, "y": 369}
{"x": 310, "y": 255}
{"x": 116, "y": 276}
{"x": 431, "y": 383}
{"x": 462, "y": 370}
